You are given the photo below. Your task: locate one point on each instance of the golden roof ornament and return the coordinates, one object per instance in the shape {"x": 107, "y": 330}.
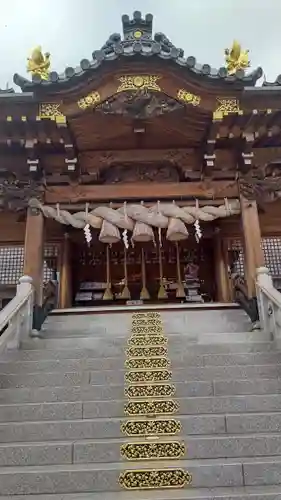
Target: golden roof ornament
{"x": 39, "y": 64}
{"x": 236, "y": 58}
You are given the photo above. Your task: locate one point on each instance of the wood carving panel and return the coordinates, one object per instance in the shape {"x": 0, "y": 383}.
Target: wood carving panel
{"x": 139, "y": 174}
{"x": 141, "y": 104}
{"x": 15, "y": 194}
{"x": 178, "y": 161}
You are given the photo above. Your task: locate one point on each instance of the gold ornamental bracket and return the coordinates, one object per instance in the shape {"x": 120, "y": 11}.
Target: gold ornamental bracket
{"x": 188, "y": 98}
{"x": 139, "y": 82}
{"x": 51, "y": 111}
{"x": 148, "y": 479}
{"x": 91, "y": 100}
{"x": 226, "y": 106}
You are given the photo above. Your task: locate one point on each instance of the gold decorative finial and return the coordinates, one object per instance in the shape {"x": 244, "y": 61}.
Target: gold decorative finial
{"x": 39, "y": 64}
{"x": 236, "y": 58}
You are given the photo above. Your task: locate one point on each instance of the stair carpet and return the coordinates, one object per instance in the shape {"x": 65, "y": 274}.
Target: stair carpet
{"x": 62, "y": 408}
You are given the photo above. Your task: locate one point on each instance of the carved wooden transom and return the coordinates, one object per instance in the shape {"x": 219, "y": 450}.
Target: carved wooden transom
{"x": 139, "y": 105}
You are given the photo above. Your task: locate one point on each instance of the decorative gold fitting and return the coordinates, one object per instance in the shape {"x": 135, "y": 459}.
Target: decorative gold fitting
{"x": 147, "y": 340}
{"x": 154, "y": 479}
{"x": 152, "y": 450}
{"x": 188, "y": 97}
{"x": 147, "y": 330}
{"x": 51, "y": 111}
{"x": 226, "y": 106}
{"x": 138, "y": 82}
{"x": 152, "y": 427}
{"x": 90, "y": 100}
{"x": 150, "y": 391}
{"x": 147, "y": 363}
{"x": 148, "y": 376}
{"x": 146, "y": 352}
{"x": 156, "y": 407}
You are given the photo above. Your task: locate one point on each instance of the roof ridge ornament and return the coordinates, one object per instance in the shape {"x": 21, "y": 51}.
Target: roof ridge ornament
{"x": 138, "y": 27}
{"x": 39, "y": 64}
{"x": 236, "y": 58}
{"x": 138, "y": 41}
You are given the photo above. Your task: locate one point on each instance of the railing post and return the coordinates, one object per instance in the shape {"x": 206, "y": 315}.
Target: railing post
{"x": 263, "y": 279}
{"x": 25, "y": 286}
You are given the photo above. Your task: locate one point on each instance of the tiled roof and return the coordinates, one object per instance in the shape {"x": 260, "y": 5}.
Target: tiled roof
{"x": 138, "y": 43}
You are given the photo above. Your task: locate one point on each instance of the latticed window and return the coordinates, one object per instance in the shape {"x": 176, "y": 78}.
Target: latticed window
{"x": 236, "y": 256}
{"x": 11, "y": 264}
{"x": 12, "y": 261}
{"x": 272, "y": 255}
{"x": 50, "y": 262}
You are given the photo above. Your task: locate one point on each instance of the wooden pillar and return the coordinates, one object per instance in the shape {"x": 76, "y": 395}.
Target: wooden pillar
{"x": 253, "y": 251}
{"x": 34, "y": 251}
{"x": 65, "y": 289}
{"x": 221, "y": 270}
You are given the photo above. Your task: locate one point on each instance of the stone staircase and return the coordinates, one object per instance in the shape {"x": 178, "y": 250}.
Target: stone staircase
{"x": 62, "y": 408}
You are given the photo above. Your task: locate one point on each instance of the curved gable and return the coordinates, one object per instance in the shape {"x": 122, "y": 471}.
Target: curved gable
{"x": 139, "y": 45}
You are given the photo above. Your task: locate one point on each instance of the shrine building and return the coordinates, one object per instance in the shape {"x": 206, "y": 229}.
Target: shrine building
{"x": 140, "y": 175}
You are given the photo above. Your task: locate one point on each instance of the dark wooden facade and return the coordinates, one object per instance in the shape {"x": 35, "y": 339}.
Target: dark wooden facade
{"x": 139, "y": 123}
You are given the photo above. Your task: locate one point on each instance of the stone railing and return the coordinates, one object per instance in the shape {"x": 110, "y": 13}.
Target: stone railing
{"x": 269, "y": 302}
{"x": 17, "y": 317}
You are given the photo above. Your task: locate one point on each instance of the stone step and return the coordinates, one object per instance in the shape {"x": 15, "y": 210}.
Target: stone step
{"x": 44, "y": 411}
{"x": 108, "y": 451}
{"x": 84, "y": 378}
{"x": 107, "y": 392}
{"x": 194, "y": 406}
{"x": 106, "y": 409}
{"x": 118, "y": 363}
{"x": 85, "y": 478}
{"x": 104, "y": 428}
{"x": 176, "y": 320}
{"x": 116, "y": 351}
{"x": 100, "y": 343}
{"x": 237, "y": 493}
{"x": 55, "y": 430}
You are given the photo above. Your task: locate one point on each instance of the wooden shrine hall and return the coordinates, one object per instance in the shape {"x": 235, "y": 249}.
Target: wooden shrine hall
{"x": 141, "y": 175}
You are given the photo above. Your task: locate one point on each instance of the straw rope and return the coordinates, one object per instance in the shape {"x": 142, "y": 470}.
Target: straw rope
{"x": 125, "y": 218}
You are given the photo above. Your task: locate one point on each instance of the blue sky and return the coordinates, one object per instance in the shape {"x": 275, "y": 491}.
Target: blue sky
{"x": 72, "y": 30}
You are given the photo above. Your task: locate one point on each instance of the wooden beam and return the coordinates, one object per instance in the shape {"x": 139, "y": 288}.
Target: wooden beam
{"x": 221, "y": 270}
{"x": 33, "y": 251}
{"x": 254, "y": 256}
{"x": 65, "y": 291}
{"x": 156, "y": 191}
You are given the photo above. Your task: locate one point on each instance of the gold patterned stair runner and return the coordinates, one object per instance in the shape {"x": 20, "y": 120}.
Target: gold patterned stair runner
{"x": 150, "y": 408}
